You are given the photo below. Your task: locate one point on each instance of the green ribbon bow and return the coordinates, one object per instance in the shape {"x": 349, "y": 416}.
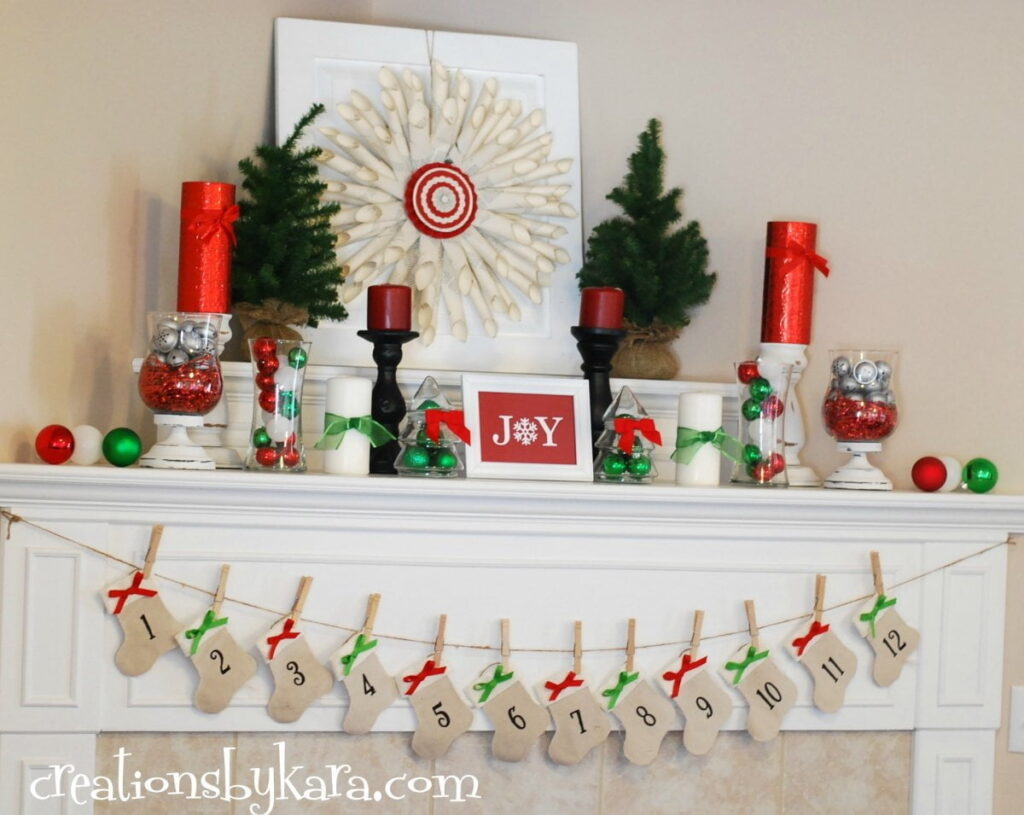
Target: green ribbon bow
{"x": 753, "y": 655}
{"x": 210, "y": 620}
{"x": 689, "y": 441}
{"x": 335, "y": 428}
{"x": 362, "y": 646}
{"x": 489, "y": 686}
{"x": 613, "y": 694}
{"x": 881, "y": 603}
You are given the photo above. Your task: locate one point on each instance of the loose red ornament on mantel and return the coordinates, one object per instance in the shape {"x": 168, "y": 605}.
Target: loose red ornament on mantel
{"x": 389, "y": 308}
{"x": 55, "y": 444}
{"x": 208, "y": 215}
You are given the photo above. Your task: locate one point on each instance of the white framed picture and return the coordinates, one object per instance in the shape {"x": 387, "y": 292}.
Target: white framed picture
{"x": 477, "y": 212}
{"x": 531, "y": 427}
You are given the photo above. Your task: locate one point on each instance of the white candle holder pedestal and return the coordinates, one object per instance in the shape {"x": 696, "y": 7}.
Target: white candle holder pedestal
{"x": 858, "y": 473}
{"x": 176, "y": 451}
{"x": 798, "y": 473}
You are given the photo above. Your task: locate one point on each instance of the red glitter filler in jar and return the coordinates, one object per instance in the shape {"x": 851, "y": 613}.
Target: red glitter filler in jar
{"x": 180, "y": 374}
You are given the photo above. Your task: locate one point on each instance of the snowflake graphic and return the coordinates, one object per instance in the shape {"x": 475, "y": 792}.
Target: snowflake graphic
{"x": 524, "y": 431}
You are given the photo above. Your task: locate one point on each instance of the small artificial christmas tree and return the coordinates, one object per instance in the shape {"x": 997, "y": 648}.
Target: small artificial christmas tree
{"x": 285, "y": 270}
{"x": 663, "y": 272}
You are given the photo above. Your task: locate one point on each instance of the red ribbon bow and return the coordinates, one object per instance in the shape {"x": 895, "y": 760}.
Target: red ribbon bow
{"x": 415, "y": 680}
{"x": 286, "y": 634}
{"x": 205, "y": 223}
{"x": 627, "y": 428}
{"x": 816, "y": 629}
{"x": 122, "y": 595}
{"x": 556, "y": 688}
{"x": 676, "y": 677}
{"x": 796, "y": 251}
{"x": 453, "y": 419}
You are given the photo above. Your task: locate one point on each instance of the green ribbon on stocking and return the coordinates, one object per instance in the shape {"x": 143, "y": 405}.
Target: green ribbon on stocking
{"x": 613, "y": 694}
{"x": 881, "y": 603}
{"x": 690, "y": 441}
{"x": 335, "y": 428}
{"x": 488, "y": 687}
{"x": 362, "y": 645}
{"x": 753, "y": 655}
{"x": 210, "y": 620}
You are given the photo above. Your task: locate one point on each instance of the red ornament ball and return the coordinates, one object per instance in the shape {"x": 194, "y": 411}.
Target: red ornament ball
{"x": 772, "y": 407}
{"x": 268, "y": 401}
{"x": 746, "y": 371}
{"x": 264, "y": 348}
{"x": 268, "y": 365}
{"x": 267, "y": 456}
{"x": 55, "y": 444}
{"x": 291, "y": 457}
{"x": 928, "y": 474}
{"x": 777, "y": 463}
{"x": 763, "y": 472}
{"x": 265, "y": 381}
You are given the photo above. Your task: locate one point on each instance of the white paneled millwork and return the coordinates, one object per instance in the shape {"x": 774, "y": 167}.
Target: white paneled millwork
{"x": 541, "y": 554}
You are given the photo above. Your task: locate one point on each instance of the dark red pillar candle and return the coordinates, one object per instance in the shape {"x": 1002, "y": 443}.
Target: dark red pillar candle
{"x": 208, "y": 214}
{"x": 601, "y": 307}
{"x": 389, "y": 308}
{"x": 790, "y": 261}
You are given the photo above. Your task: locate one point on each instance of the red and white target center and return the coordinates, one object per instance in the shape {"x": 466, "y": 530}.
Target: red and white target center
{"x": 440, "y": 200}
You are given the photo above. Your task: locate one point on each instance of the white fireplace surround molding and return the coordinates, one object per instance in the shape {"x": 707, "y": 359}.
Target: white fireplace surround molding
{"x": 541, "y": 554}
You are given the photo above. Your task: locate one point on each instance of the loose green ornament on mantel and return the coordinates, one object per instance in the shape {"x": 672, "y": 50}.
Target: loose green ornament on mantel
{"x": 662, "y": 271}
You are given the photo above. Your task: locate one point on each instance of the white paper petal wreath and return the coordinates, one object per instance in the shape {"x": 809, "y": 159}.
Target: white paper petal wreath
{"x": 448, "y": 197}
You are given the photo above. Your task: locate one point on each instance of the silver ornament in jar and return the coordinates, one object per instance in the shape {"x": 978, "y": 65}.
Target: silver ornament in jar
{"x": 865, "y": 372}
{"x": 165, "y": 339}
{"x": 177, "y": 358}
{"x": 841, "y": 367}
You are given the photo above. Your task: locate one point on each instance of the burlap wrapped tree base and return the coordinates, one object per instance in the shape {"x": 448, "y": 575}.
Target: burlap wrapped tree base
{"x": 646, "y": 353}
{"x": 271, "y": 318}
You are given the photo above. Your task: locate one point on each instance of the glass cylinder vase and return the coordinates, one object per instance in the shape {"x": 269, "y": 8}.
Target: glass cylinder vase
{"x": 279, "y": 368}
{"x": 764, "y": 394}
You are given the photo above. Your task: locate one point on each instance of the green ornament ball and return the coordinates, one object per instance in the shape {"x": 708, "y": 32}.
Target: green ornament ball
{"x": 424, "y": 440}
{"x": 297, "y": 357}
{"x": 760, "y": 388}
{"x": 639, "y": 466}
{"x": 751, "y": 410}
{"x": 288, "y": 405}
{"x": 444, "y": 459}
{"x": 614, "y": 464}
{"x": 416, "y": 458}
{"x": 429, "y": 404}
{"x": 751, "y": 453}
{"x": 260, "y": 437}
{"x": 980, "y": 475}
{"x": 122, "y": 446}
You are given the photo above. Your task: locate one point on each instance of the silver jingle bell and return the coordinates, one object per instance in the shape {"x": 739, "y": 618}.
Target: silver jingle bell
{"x": 884, "y": 368}
{"x": 865, "y": 372}
{"x": 188, "y": 326}
{"x": 849, "y": 385}
{"x": 191, "y": 342}
{"x": 841, "y": 366}
{"x": 177, "y": 358}
{"x": 165, "y": 339}
{"x": 206, "y": 331}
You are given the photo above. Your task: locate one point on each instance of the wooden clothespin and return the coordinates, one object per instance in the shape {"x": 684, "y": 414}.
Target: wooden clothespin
{"x": 755, "y": 636}
{"x": 222, "y": 586}
{"x": 439, "y": 642}
{"x": 154, "y": 547}
{"x": 505, "y": 647}
{"x": 300, "y": 599}
{"x": 630, "y": 644}
{"x": 876, "y": 571}
{"x": 698, "y": 624}
{"x": 372, "y": 603}
{"x": 577, "y": 647}
{"x": 819, "y": 597}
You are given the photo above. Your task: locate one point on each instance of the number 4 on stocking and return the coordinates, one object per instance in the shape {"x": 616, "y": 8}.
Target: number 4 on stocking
{"x": 148, "y": 627}
{"x": 299, "y": 678}
{"x": 516, "y": 717}
{"x": 580, "y": 722}
{"x": 222, "y": 664}
{"x": 831, "y": 664}
{"x": 371, "y": 689}
{"x": 769, "y": 692}
{"x": 646, "y": 715}
{"x": 441, "y": 714}
{"x": 890, "y": 636}
{"x": 698, "y": 693}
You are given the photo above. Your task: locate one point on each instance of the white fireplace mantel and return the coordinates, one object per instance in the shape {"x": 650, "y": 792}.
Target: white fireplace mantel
{"x": 541, "y": 554}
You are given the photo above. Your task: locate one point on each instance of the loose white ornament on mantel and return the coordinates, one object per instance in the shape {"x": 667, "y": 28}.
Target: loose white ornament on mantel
{"x": 447, "y": 195}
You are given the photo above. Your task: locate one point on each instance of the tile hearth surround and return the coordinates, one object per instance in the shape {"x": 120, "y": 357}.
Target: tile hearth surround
{"x": 867, "y": 774}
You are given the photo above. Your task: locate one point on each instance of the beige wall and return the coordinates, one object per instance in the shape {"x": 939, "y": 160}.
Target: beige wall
{"x": 896, "y": 126}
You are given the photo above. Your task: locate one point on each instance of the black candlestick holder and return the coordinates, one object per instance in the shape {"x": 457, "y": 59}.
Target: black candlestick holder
{"x": 388, "y": 404}
{"x": 597, "y": 346}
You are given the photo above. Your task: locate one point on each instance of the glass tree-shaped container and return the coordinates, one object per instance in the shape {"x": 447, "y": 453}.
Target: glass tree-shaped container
{"x": 625, "y": 446}
{"x": 429, "y": 438}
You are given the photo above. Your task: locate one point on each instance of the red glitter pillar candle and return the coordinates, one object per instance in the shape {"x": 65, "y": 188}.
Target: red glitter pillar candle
{"x": 208, "y": 215}
{"x": 389, "y": 308}
{"x": 789, "y": 265}
{"x": 601, "y": 307}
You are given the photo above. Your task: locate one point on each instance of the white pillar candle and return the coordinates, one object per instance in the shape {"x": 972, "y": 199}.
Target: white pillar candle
{"x": 349, "y": 396}
{"x": 700, "y": 411}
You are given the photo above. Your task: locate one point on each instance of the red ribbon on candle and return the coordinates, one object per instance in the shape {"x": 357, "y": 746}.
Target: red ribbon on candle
{"x": 816, "y": 629}
{"x": 627, "y": 428}
{"x": 206, "y": 223}
{"x": 794, "y": 251}
{"x": 454, "y": 420}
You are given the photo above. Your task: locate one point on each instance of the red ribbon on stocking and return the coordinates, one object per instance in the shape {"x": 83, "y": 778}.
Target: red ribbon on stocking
{"x": 430, "y": 668}
{"x": 801, "y": 643}
{"x": 676, "y": 677}
{"x": 122, "y": 595}
{"x": 286, "y": 634}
